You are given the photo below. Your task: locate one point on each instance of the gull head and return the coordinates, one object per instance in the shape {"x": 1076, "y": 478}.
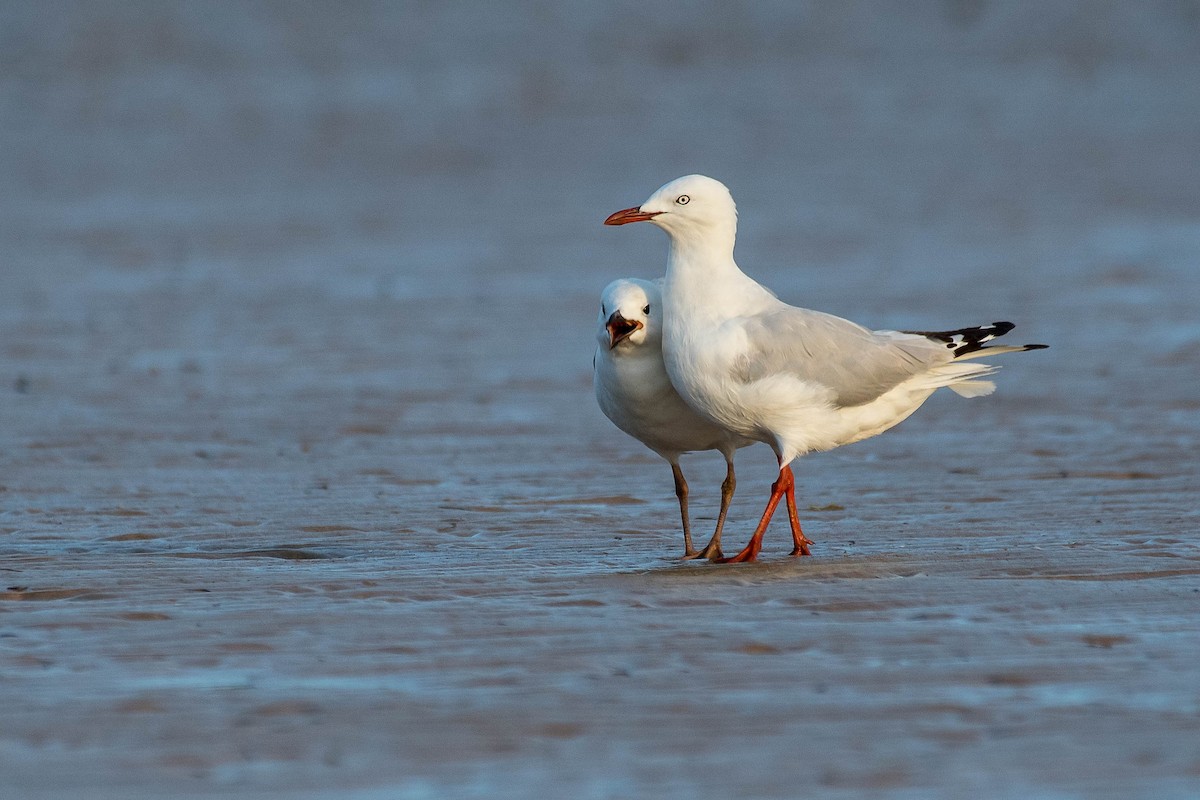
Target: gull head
{"x": 691, "y": 206}
{"x": 629, "y": 314}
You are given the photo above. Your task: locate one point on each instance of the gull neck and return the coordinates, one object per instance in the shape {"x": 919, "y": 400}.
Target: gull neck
{"x": 707, "y": 254}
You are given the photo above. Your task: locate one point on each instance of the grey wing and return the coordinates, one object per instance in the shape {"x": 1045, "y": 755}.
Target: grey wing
{"x": 854, "y": 363}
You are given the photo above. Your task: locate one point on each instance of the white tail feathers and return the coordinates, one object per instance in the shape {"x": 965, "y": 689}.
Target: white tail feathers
{"x": 972, "y": 388}
{"x": 962, "y": 379}
{"x": 968, "y": 386}
{"x": 993, "y": 351}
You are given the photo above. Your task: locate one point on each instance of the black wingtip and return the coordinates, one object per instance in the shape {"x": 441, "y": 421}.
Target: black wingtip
{"x": 1037, "y": 346}
{"x": 968, "y": 340}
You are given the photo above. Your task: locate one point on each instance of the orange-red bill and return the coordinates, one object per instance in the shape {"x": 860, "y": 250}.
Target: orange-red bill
{"x": 628, "y": 215}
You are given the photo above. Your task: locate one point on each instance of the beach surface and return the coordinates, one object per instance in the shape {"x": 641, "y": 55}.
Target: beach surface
{"x": 304, "y": 492}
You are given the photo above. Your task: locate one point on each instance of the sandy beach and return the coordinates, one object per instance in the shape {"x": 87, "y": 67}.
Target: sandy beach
{"x": 304, "y": 492}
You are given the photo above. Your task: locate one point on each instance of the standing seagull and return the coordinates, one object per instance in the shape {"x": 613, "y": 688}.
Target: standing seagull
{"x": 796, "y": 379}
{"x": 633, "y": 391}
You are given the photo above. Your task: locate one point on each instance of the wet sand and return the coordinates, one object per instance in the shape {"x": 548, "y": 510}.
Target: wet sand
{"x": 303, "y": 491}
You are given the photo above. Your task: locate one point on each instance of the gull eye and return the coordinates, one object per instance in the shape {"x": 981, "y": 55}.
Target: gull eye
{"x": 683, "y": 200}
{"x": 646, "y": 309}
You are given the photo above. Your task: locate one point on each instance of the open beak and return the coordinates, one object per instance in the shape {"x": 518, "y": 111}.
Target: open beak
{"x": 619, "y": 328}
{"x": 631, "y": 215}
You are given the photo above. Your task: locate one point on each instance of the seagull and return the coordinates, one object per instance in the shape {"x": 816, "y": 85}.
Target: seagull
{"x": 796, "y": 379}
{"x": 633, "y": 390}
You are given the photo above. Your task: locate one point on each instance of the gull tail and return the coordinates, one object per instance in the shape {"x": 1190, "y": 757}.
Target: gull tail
{"x": 968, "y": 343}
{"x": 962, "y": 379}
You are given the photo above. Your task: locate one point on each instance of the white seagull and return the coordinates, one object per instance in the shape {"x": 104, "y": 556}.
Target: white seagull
{"x": 796, "y": 379}
{"x": 633, "y": 391}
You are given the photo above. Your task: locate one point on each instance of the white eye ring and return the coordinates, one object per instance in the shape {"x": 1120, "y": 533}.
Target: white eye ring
{"x": 683, "y": 200}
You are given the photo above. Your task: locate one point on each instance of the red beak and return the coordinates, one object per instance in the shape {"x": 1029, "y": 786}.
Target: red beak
{"x": 631, "y": 215}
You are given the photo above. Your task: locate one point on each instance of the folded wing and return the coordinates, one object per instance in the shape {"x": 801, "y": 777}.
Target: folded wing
{"x": 854, "y": 364}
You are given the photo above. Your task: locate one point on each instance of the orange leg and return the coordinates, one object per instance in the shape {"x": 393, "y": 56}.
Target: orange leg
{"x": 799, "y": 540}
{"x": 782, "y": 485}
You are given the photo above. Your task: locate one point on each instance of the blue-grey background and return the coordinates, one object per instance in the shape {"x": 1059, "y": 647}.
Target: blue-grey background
{"x": 303, "y": 490}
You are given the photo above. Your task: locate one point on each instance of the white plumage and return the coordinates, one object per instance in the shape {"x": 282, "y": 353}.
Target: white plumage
{"x": 633, "y": 390}
{"x": 797, "y": 379}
